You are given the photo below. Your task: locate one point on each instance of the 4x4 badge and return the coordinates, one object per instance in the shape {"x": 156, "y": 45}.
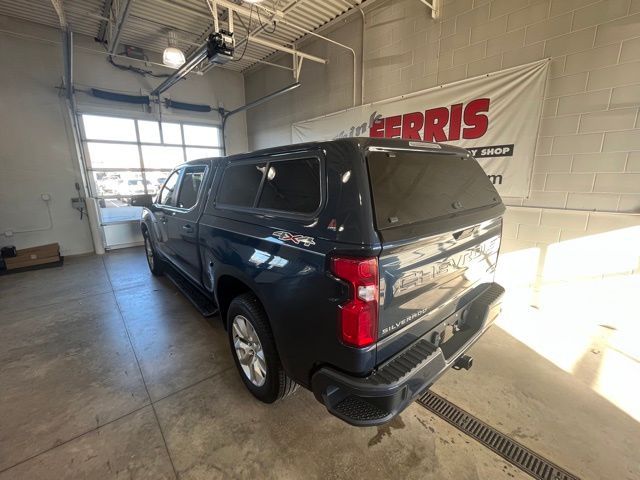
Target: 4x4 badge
{"x": 297, "y": 239}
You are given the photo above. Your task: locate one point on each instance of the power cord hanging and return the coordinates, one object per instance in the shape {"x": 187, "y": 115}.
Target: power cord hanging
{"x": 275, "y": 25}
{"x": 139, "y": 71}
{"x": 248, "y": 29}
{"x": 131, "y": 68}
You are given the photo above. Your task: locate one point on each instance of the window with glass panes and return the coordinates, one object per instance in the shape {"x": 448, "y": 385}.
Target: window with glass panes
{"x": 127, "y": 157}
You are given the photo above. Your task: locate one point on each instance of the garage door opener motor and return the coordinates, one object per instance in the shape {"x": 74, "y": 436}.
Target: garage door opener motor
{"x": 220, "y": 44}
{"x": 220, "y": 47}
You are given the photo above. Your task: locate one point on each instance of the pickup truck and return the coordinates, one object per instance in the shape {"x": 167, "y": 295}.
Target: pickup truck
{"x": 360, "y": 269}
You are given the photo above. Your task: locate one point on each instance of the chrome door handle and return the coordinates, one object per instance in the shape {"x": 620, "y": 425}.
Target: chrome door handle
{"x": 187, "y": 228}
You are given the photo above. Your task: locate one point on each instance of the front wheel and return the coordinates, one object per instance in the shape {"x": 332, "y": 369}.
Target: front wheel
{"x": 254, "y": 350}
{"x": 154, "y": 262}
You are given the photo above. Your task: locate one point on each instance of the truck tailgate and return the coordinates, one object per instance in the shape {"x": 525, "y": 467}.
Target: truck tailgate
{"x": 424, "y": 281}
{"x": 439, "y": 220}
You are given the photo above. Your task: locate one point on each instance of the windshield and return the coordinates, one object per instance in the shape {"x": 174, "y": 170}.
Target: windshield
{"x": 411, "y": 187}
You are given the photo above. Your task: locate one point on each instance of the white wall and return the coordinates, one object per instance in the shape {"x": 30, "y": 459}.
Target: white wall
{"x": 36, "y": 149}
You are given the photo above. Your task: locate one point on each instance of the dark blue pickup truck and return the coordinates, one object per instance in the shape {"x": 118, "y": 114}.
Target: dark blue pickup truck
{"x": 361, "y": 269}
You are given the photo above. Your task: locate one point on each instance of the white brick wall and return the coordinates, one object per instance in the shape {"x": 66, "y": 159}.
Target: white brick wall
{"x": 588, "y": 150}
{"x": 562, "y": 246}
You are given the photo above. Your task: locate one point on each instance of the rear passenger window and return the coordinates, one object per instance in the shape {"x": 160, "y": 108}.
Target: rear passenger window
{"x": 240, "y": 184}
{"x": 292, "y": 186}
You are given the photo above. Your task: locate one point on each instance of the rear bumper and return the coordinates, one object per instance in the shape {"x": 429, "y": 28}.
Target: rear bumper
{"x": 377, "y": 398}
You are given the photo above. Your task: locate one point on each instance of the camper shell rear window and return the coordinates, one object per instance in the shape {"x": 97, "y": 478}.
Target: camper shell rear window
{"x": 413, "y": 186}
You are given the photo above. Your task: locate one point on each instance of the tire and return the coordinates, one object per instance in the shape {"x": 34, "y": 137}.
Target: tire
{"x": 259, "y": 356}
{"x": 153, "y": 260}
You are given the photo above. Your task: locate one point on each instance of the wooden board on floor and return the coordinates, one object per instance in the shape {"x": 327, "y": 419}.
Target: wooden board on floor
{"x": 30, "y": 257}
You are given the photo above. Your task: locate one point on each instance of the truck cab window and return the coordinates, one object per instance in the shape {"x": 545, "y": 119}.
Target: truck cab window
{"x": 167, "y": 194}
{"x": 190, "y": 186}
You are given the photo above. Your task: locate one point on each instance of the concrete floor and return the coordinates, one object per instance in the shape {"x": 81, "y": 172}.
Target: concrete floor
{"x": 106, "y": 372}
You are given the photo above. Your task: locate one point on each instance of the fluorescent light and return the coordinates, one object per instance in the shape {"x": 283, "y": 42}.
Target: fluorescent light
{"x": 173, "y": 57}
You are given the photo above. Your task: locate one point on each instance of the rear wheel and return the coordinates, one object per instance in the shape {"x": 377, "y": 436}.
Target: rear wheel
{"x": 254, "y": 350}
{"x": 155, "y": 263}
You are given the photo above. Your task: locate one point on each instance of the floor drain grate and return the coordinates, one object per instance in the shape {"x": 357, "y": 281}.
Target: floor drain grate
{"x": 512, "y": 451}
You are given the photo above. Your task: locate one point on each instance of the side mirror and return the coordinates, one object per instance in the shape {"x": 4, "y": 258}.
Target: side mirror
{"x": 142, "y": 201}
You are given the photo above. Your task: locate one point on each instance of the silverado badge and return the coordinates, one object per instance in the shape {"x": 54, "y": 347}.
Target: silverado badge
{"x": 297, "y": 239}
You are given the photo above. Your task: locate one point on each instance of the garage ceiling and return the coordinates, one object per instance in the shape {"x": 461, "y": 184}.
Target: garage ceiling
{"x": 150, "y": 21}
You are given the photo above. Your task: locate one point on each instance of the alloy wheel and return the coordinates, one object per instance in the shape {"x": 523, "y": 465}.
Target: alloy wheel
{"x": 249, "y": 351}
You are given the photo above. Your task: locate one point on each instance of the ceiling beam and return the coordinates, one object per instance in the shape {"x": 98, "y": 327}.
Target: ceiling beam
{"x": 282, "y": 48}
{"x": 106, "y": 13}
{"x": 121, "y": 22}
{"x": 59, "y": 8}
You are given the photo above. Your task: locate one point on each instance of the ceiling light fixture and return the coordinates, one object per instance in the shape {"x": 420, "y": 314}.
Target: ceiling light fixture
{"x": 172, "y": 56}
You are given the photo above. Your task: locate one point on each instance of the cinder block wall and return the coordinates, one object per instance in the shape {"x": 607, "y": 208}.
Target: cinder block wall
{"x": 588, "y": 151}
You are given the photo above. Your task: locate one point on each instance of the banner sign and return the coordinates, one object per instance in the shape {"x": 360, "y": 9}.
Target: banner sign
{"x": 494, "y": 116}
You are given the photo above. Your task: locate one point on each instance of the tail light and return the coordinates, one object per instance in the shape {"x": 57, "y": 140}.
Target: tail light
{"x": 359, "y": 315}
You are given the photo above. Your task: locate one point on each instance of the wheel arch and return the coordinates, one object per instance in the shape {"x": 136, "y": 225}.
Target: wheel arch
{"x": 229, "y": 287}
